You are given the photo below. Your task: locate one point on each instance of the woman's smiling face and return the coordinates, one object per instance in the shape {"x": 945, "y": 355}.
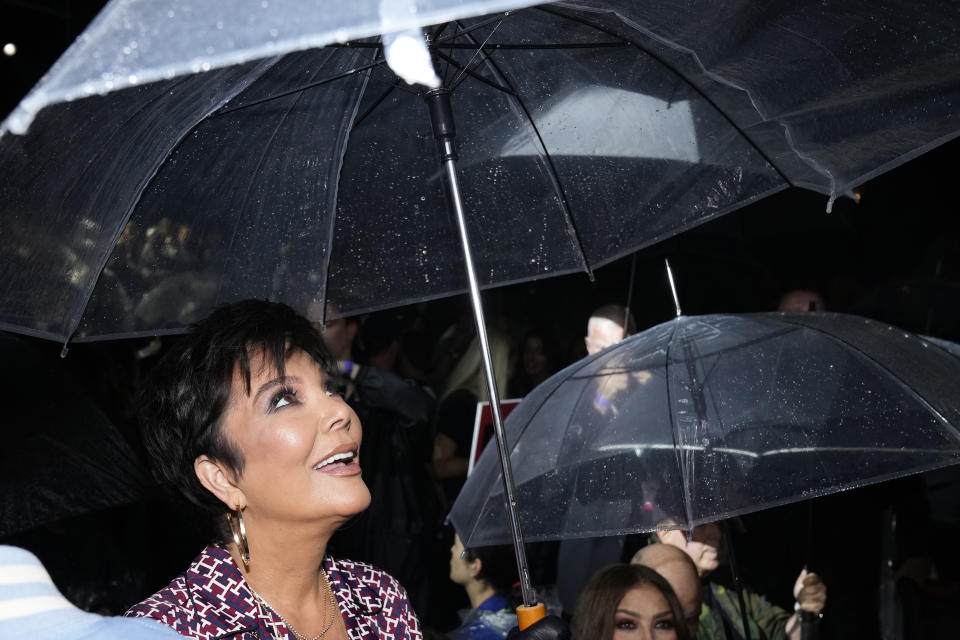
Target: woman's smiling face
{"x": 300, "y": 444}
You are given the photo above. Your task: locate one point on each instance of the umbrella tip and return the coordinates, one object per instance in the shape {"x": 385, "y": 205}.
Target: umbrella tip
{"x": 673, "y": 287}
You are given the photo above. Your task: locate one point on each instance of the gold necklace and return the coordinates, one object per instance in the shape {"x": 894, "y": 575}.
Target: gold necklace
{"x": 333, "y": 611}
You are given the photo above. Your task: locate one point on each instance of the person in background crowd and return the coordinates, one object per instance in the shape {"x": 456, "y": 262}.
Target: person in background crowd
{"x": 580, "y": 558}
{"x": 376, "y": 386}
{"x": 466, "y": 387}
{"x": 722, "y": 618}
{"x": 487, "y": 575}
{"x": 539, "y": 359}
{"x": 680, "y": 571}
{"x": 608, "y": 325}
{"x": 801, "y": 300}
{"x": 240, "y": 418}
{"x": 626, "y": 602}
{"x": 453, "y": 431}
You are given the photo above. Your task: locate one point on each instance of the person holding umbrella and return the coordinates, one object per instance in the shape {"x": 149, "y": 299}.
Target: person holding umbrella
{"x": 240, "y": 420}
{"x": 721, "y": 617}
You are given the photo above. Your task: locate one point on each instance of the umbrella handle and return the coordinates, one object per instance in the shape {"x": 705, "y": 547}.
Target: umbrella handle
{"x": 527, "y": 616}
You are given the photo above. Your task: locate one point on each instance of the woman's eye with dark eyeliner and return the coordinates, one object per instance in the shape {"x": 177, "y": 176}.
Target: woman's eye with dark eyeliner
{"x": 667, "y": 625}
{"x": 625, "y": 624}
{"x": 283, "y": 398}
{"x": 331, "y": 390}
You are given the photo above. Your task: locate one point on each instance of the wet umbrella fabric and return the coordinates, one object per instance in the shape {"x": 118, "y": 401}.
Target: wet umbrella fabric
{"x": 60, "y": 456}
{"x": 585, "y": 131}
{"x": 707, "y": 417}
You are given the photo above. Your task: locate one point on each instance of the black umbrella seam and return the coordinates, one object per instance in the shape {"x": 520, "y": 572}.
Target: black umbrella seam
{"x": 572, "y": 229}
{"x": 334, "y": 198}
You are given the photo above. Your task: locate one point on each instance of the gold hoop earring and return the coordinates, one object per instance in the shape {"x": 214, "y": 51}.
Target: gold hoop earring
{"x": 239, "y": 532}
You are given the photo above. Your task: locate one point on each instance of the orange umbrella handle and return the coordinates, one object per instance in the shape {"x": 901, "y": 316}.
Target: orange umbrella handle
{"x": 527, "y": 616}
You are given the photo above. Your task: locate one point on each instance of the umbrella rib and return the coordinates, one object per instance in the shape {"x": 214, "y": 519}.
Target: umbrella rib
{"x": 309, "y": 85}
{"x": 102, "y": 263}
{"x": 335, "y": 195}
{"x": 475, "y": 75}
{"x": 503, "y": 45}
{"x": 447, "y": 41}
{"x": 376, "y": 103}
{"x": 572, "y": 230}
{"x": 476, "y": 53}
{"x": 670, "y": 67}
{"x": 675, "y": 429}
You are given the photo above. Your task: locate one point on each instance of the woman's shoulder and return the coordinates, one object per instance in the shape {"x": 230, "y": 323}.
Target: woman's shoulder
{"x": 170, "y": 605}
{"x": 202, "y": 602}
{"x": 372, "y": 598}
{"x": 358, "y": 574}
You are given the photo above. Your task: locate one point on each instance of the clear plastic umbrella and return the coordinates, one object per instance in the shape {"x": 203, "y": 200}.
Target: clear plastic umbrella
{"x": 136, "y": 42}
{"x": 707, "y": 417}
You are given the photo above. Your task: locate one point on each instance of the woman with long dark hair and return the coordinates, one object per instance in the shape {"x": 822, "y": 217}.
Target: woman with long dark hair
{"x": 627, "y": 602}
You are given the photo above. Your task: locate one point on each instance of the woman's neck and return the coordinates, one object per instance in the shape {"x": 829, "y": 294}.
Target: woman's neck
{"x": 285, "y": 564}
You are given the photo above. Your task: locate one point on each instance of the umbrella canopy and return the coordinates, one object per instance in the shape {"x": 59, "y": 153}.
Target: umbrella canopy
{"x": 134, "y": 42}
{"x": 586, "y": 130}
{"x": 707, "y": 417}
{"x": 60, "y": 456}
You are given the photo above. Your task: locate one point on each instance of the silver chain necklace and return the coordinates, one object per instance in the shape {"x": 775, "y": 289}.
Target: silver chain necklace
{"x": 333, "y": 611}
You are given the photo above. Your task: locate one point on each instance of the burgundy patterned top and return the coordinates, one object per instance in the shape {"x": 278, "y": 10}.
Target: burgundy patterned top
{"x": 211, "y": 600}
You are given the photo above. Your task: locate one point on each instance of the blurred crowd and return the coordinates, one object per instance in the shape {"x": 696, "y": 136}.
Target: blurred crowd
{"x": 416, "y": 391}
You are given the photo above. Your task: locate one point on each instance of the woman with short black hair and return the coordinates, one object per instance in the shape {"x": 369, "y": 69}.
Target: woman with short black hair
{"x": 239, "y": 418}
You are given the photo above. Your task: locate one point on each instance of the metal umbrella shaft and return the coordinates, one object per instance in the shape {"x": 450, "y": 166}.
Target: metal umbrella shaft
{"x": 441, "y": 115}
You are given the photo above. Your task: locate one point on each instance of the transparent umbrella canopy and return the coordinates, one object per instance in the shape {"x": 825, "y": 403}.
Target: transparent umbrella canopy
{"x": 707, "y": 417}
{"x": 136, "y": 42}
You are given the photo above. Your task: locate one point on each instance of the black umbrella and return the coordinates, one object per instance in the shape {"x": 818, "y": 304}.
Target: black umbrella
{"x": 585, "y": 131}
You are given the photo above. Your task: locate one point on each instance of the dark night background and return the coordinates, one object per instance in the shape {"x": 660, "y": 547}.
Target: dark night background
{"x": 893, "y": 256}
